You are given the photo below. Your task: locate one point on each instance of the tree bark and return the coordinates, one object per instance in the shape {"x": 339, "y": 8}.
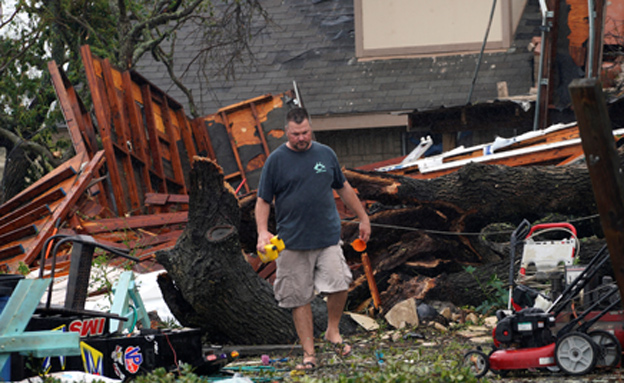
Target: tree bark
{"x": 426, "y": 232}
{"x": 209, "y": 283}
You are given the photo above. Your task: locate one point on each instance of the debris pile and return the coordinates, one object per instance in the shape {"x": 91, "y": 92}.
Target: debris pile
{"x": 127, "y": 183}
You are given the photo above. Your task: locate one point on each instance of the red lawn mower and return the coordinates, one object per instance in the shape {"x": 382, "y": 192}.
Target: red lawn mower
{"x": 537, "y": 332}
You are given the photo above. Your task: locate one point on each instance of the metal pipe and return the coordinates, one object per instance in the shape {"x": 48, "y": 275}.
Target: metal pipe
{"x": 487, "y": 32}
{"x": 591, "y": 14}
{"x": 544, "y": 10}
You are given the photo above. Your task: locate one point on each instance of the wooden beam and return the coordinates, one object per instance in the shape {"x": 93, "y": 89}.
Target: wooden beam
{"x": 66, "y": 108}
{"x": 187, "y": 135}
{"x": 259, "y": 129}
{"x": 25, "y": 219}
{"x": 173, "y": 137}
{"x": 239, "y": 164}
{"x": 143, "y": 221}
{"x": 604, "y": 168}
{"x": 24, "y": 231}
{"x": 204, "y": 143}
{"x": 11, "y": 252}
{"x": 53, "y": 178}
{"x": 28, "y": 208}
{"x": 122, "y": 136}
{"x": 103, "y": 119}
{"x": 82, "y": 115}
{"x": 152, "y": 132}
{"x": 63, "y": 209}
{"x": 140, "y": 146}
{"x": 162, "y": 199}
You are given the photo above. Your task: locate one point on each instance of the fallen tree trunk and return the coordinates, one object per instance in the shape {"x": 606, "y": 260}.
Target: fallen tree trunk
{"x": 209, "y": 284}
{"x": 444, "y": 225}
{"x": 426, "y": 232}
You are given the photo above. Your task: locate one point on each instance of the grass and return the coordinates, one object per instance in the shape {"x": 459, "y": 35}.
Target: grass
{"x": 375, "y": 358}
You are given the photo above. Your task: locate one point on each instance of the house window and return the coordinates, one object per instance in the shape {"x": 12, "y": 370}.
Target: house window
{"x": 423, "y": 27}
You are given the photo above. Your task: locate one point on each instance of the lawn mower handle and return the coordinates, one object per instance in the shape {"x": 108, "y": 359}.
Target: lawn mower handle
{"x": 520, "y": 232}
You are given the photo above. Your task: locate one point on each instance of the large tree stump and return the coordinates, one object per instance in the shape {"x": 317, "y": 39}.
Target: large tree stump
{"x": 209, "y": 283}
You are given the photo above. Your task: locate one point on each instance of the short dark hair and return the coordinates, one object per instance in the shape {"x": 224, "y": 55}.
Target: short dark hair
{"x": 297, "y": 115}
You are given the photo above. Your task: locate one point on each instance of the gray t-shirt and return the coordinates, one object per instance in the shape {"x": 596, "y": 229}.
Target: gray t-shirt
{"x": 302, "y": 184}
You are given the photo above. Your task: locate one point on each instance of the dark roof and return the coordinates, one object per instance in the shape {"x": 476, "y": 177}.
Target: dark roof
{"x": 313, "y": 43}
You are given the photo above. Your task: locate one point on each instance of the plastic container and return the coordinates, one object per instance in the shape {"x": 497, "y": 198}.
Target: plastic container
{"x": 272, "y": 250}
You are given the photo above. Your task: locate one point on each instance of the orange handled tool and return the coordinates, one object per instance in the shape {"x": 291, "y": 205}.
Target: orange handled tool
{"x": 359, "y": 246}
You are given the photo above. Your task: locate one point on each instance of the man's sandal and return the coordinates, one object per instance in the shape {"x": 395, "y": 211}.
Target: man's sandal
{"x": 342, "y": 349}
{"x": 306, "y": 366}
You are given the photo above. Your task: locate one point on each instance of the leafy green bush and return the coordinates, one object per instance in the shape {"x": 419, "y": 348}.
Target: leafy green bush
{"x": 494, "y": 290}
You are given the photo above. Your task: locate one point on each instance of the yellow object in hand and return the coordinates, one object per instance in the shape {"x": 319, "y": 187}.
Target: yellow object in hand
{"x": 272, "y": 250}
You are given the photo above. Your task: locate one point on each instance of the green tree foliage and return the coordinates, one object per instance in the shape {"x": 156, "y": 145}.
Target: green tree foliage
{"x": 33, "y": 32}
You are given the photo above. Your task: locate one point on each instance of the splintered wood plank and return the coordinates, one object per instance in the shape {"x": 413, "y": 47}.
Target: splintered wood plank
{"x": 149, "y": 253}
{"x": 228, "y": 129}
{"x": 29, "y": 207}
{"x": 82, "y": 115}
{"x": 162, "y": 199}
{"x": 204, "y": 143}
{"x": 186, "y": 133}
{"x": 152, "y": 132}
{"x": 148, "y": 241}
{"x": 144, "y": 221}
{"x": 156, "y": 199}
{"x": 56, "y": 176}
{"x": 66, "y": 108}
{"x": 11, "y": 252}
{"x": 245, "y": 103}
{"x": 259, "y": 129}
{"x": 173, "y": 137}
{"x": 139, "y": 140}
{"x": 61, "y": 211}
{"x": 22, "y": 232}
{"x": 103, "y": 118}
{"x": 122, "y": 132}
{"x": 25, "y": 219}
{"x": 87, "y": 128}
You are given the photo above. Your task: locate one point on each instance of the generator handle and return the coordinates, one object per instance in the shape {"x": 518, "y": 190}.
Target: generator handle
{"x": 556, "y": 225}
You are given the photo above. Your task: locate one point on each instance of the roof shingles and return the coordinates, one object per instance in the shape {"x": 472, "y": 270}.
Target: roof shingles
{"x": 312, "y": 42}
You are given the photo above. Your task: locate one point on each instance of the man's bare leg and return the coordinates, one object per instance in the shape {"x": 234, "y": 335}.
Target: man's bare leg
{"x": 302, "y": 316}
{"x": 335, "y": 307}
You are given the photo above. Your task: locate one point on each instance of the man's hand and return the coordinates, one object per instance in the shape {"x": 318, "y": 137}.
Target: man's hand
{"x": 262, "y": 219}
{"x": 264, "y": 238}
{"x": 365, "y": 228}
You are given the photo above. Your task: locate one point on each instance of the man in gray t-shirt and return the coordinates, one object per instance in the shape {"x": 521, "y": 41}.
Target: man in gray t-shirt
{"x": 299, "y": 177}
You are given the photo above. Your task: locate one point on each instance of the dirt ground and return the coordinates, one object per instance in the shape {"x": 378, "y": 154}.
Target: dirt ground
{"x": 418, "y": 348}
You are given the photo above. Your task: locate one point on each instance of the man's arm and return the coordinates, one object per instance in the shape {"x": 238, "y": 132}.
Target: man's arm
{"x": 263, "y": 209}
{"x": 348, "y": 196}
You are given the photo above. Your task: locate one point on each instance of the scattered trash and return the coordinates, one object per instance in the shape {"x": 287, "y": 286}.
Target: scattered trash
{"x": 426, "y": 312}
{"x": 379, "y": 356}
{"x": 266, "y": 360}
{"x": 72, "y": 376}
{"x": 237, "y": 378}
{"x": 413, "y": 335}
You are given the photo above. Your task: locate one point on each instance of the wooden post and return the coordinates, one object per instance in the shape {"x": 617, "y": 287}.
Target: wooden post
{"x": 602, "y": 160}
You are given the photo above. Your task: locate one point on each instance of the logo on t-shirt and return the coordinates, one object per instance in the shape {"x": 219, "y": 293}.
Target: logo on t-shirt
{"x": 319, "y": 168}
